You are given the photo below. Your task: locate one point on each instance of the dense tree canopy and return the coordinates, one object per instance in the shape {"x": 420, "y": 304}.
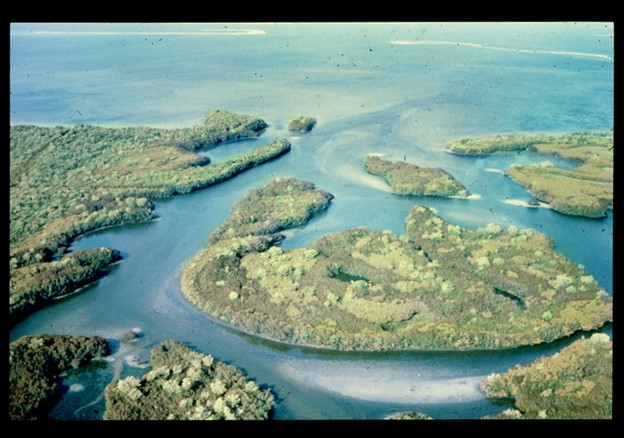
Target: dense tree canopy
{"x": 35, "y": 365}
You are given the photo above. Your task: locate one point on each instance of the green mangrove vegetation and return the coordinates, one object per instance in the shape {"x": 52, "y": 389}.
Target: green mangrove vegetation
{"x": 409, "y": 416}
{"x": 302, "y": 124}
{"x": 576, "y": 383}
{"x": 253, "y": 227}
{"x": 184, "y": 384}
{"x": 409, "y": 179}
{"x": 283, "y": 203}
{"x": 35, "y": 285}
{"x": 439, "y": 286}
{"x": 65, "y": 181}
{"x": 586, "y": 190}
{"x": 35, "y": 365}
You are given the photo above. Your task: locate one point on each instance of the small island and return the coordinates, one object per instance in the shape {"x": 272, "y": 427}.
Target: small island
{"x": 576, "y": 383}
{"x": 409, "y": 179}
{"x": 438, "y": 287}
{"x": 66, "y": 181}
{"x": 302, "y": 124}
{"x": 586, "y": 190}
{"x": 35, "y": 365}
{"x": 184, "y": 384}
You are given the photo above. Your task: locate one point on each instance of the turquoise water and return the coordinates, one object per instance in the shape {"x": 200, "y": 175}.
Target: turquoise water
{"x": 401, "y": 89}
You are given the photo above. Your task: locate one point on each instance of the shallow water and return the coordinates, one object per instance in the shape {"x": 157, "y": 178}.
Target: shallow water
{"x": 369, "y": 96}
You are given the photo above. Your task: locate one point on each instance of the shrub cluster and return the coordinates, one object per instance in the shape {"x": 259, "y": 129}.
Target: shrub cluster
{"x": 409, "y": 416}
{"x": 184, "y": 384}
{"x": 35, "y": 365}
{"x": 576, "y": 383}
{"x": 302, "y": 124}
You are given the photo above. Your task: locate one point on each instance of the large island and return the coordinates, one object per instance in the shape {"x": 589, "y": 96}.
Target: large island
{"x": 438, "y": 286}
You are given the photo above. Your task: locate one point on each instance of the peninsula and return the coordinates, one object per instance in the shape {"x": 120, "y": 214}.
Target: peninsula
{"x": 438, "y": 286}
{"x": 35, "y": 285}
{"x": 586, "y": 190}
{"x": 65, "y": 181}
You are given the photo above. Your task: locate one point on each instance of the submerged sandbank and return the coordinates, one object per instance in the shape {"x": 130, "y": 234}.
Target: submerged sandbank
{"x": 364, "y": 383}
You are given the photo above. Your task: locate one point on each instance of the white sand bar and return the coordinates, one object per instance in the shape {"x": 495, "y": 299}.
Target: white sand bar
{"x": 521, "y": 203}
{"x": 359, "y": 176}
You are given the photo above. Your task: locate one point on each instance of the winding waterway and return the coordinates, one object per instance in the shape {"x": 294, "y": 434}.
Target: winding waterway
{"x": 407, "y": 108}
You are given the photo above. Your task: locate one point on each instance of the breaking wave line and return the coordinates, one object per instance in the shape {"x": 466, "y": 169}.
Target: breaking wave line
{"x": 502, "y": 49}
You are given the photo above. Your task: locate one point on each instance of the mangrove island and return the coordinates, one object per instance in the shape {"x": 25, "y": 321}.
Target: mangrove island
{"x": 409, "y": 179}
{"x": 438, "y": 286}
{"x": 586, "y": 190}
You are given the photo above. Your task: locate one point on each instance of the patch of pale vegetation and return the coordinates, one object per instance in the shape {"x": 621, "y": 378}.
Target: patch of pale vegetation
{"x": 184, "y": 384}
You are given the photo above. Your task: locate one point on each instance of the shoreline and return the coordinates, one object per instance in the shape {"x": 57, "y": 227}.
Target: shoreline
{"x": 241, "y": 331}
